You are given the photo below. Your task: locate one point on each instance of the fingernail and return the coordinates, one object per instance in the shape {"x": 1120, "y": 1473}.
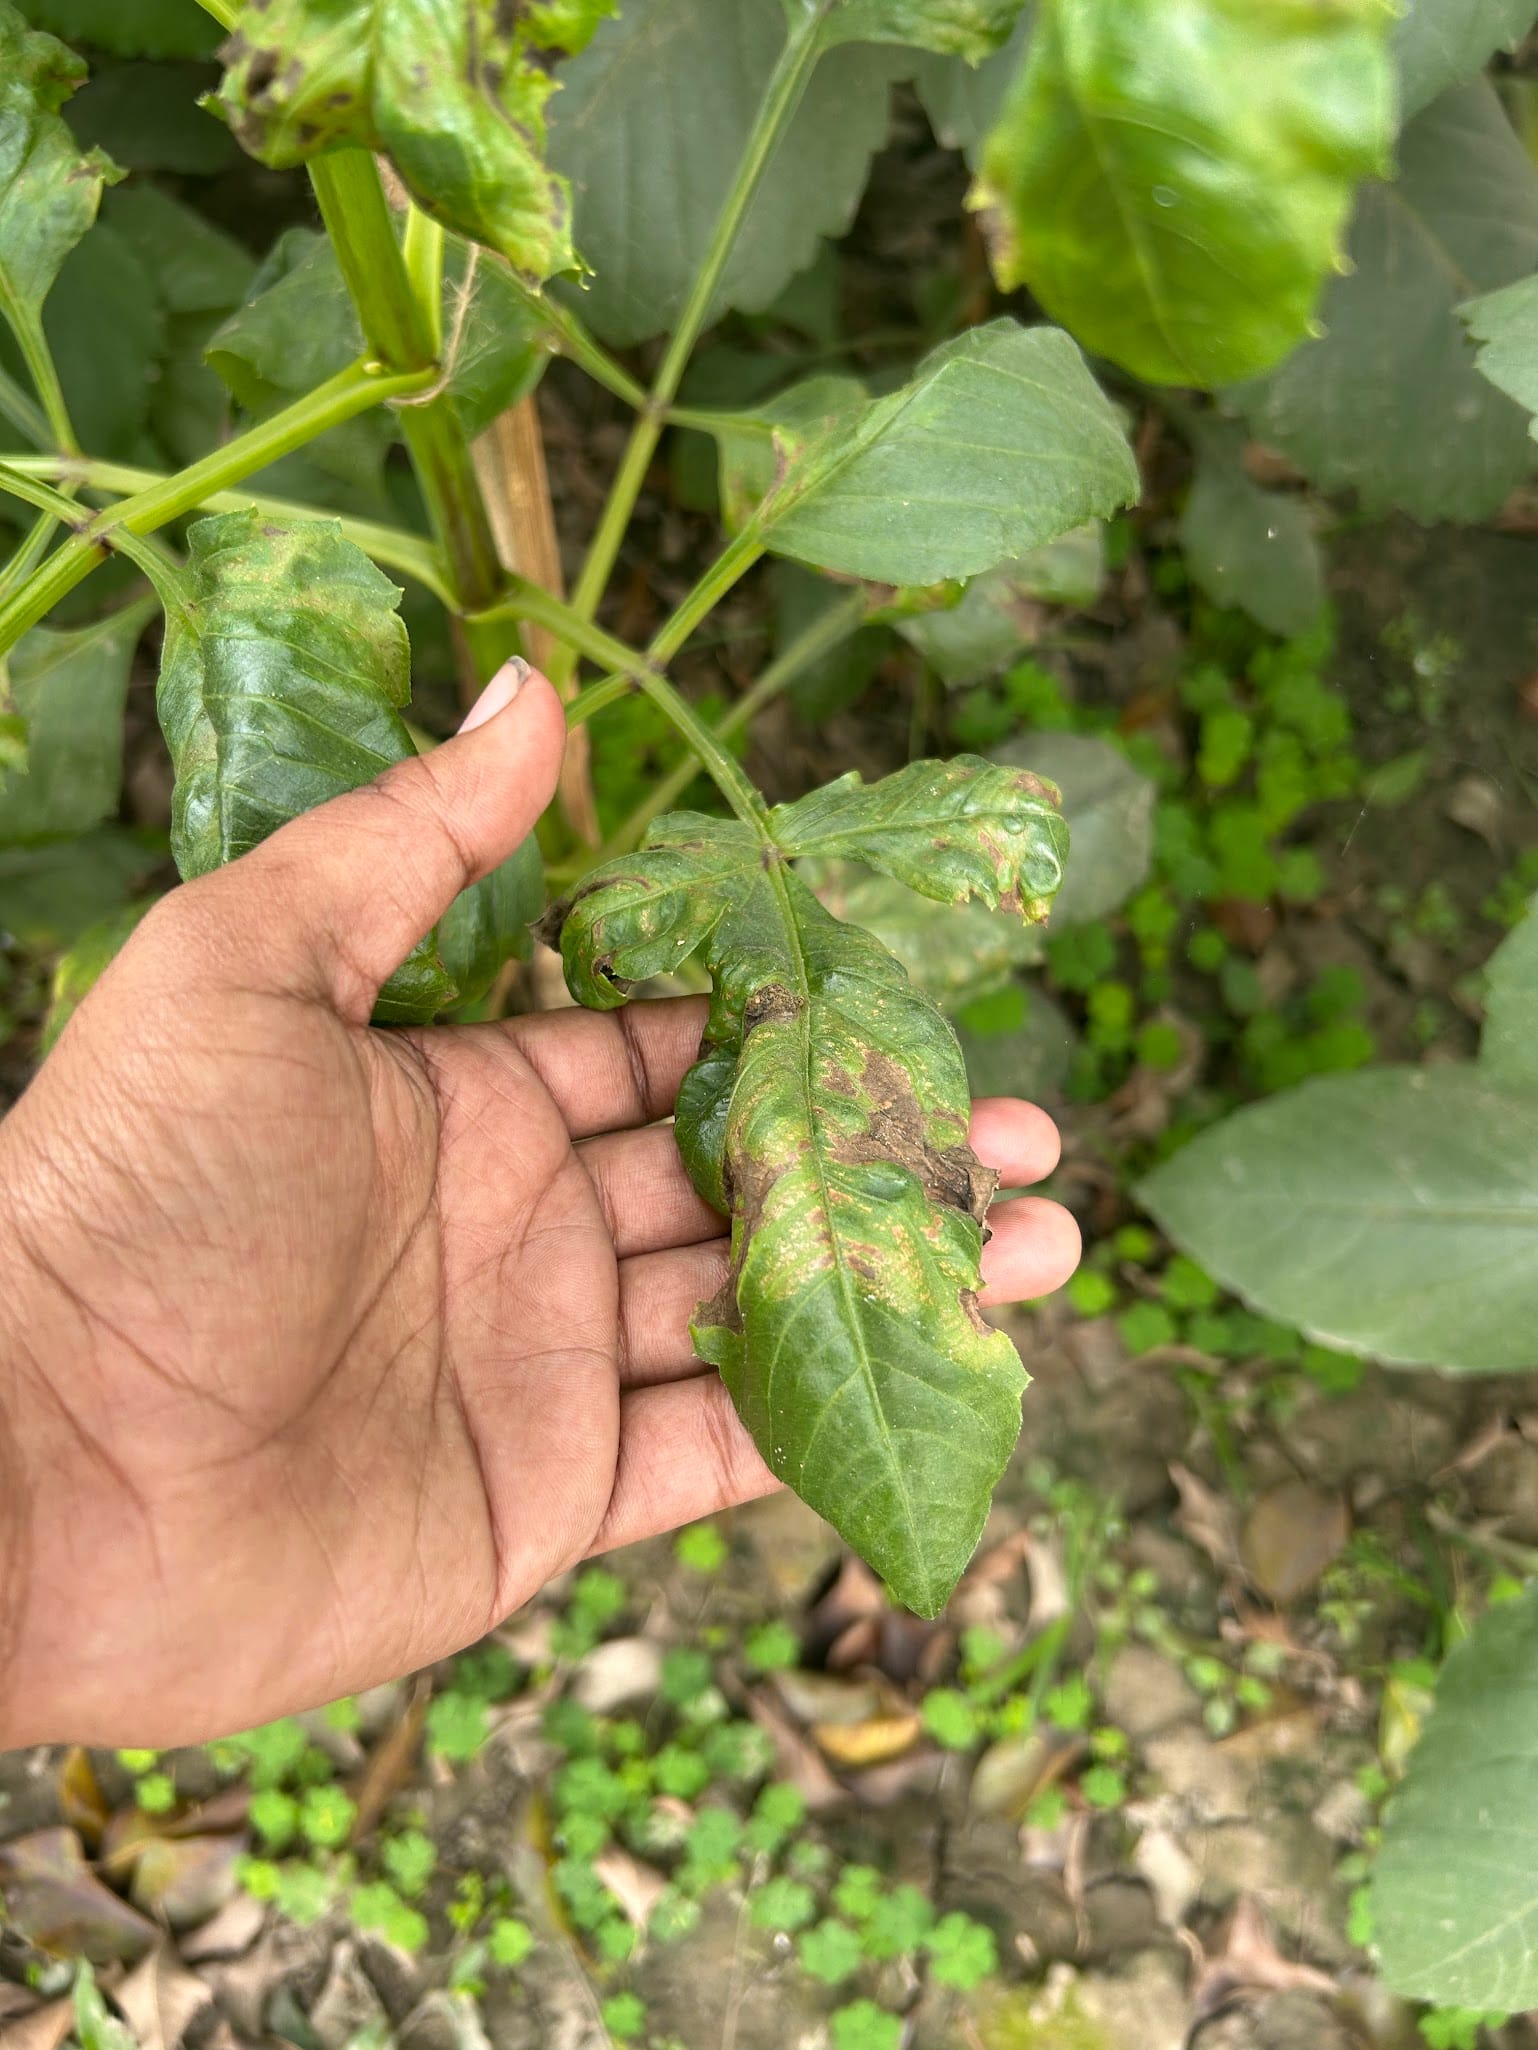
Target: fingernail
{"x": 498, "y": 694}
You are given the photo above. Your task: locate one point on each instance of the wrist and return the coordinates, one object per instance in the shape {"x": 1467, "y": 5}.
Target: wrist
{"x": 21, "y": 1320}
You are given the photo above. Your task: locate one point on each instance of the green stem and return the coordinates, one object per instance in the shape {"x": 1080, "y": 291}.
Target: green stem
{"x": 225, "y": 12}
{"x": 566, "y": 336}
{"x": 724, "y": 770}
{"x": 342, "y": 397}
{"x": 410, "y": 555}
{"x": 599, "y": 696}
{"x": 828, "y": 630}
{"x": 23, "y": 412}
{"x": 27, "y": 556}
{"x": 142, "y": 552}
{"x": 38, "y": 358}
{"x": 729, "y": 567}
{"x": 782, "y": 95}
{"x": 531, "y": 602}
{"x": 403, "y": 333}
{"x": 422, "y": 250}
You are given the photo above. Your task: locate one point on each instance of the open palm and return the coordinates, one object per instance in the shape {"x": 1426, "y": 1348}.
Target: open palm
{"x": 332, "y": 1345}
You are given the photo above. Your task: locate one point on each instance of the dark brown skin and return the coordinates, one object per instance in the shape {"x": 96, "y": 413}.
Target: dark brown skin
{"x": 323, "y": 1347}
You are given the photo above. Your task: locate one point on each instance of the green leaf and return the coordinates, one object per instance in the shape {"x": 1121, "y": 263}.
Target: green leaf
{"x": 49, "y": 192}
{"x": 71, "y": 689}
{"x": 969, "y": 29}
{"x": 1109, "y": 807}
{"x": 147, "y": 28}
{"x": 1248, "y": 547}
{"x": 1506, "y": 323}
{"x": 52, "y": 892}
{"x": 80, "y": 968}
{"x": 1455, "y": 1910}
{"x": 828, "y": 1111}
{"x": 150, "y": 117}
{"x": 1508, "y": 1052}
{"x": 964, "y": 101}
{"x": 280, "y": 687}
{"x": 453, "y": 96}
{"x": 104, "y": 289}
{"x": 1000, "y": 442}
{"x": 996, "y": 617}
{"x": 1392, "y": 1212}
{"x": 649, "y": 128}
{"x": 1437, "y": 43}
{"x": 1389, "y": 402}
{"x": 951, "y": 952}
{"x": 1171, "y": 178}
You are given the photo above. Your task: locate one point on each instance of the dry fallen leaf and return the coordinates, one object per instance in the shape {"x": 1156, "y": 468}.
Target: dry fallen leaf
{"x": 1291, "y": 1535}
{"x": 796, "y": 1758}
{"x": 44, "y": 2029}
{"x": 1013, "y": 1771}
{"x": 81, "y": 1801}
{"x": 390, "y": 1761}
{"x": 637, "y": 1887}
{"x": 1205, "y": 1518}
{"x": 55, "y": 1900}
{"x": 161, "y": 1999}
{"x": 230, "y": 1934}
{"x": 875, "y": 1741}
{"x": 1248, "y": 1960}
{"x": 185, "y": 1881}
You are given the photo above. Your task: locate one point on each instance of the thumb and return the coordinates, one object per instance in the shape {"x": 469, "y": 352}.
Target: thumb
{"x": 334, "y": 901}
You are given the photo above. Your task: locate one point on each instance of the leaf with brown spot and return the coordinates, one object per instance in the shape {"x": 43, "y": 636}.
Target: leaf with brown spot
{"x": 828, "y": 1112}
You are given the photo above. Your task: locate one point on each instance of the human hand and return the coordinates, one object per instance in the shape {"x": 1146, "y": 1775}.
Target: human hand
{"x": 326, "y": 1346}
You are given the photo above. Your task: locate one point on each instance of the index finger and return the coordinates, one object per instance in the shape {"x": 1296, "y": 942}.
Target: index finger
{"x": 609, "y": 1071}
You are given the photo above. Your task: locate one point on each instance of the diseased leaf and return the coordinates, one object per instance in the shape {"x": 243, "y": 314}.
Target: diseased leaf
{"x": 952, "y": 952}
{"x": 1438, "y": 43}
{"x": 453, "y": 95}
{"x": 1392, "y": 1212}
{"x": 1000, "y": 442}
{"x": 1248, "y": 547}
{"x": 49, "y": 191}
{"x": 1506, "y": 322}
{"x": 1172, "y": 178}
{"x": 1508, "y": 1052}
{"x": 1454, "y": 1908}
{"x": 969, "y": 29}
{"x": 828, "y": 1111}
{"x": 1389, "y": 402}
{"x": 280, "y": 687}
{"x": 649, "y": 127}
{"x": 147, "y": 28}
{"x": 71, "y": 689}
{"x": 1109, "y": 809}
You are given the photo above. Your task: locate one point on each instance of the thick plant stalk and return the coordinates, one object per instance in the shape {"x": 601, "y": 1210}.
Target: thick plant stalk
{"x": 510, "y": 459}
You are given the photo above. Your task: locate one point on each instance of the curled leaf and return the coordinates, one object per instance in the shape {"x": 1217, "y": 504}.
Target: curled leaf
{"x": 828, "y": 1112}
{"x": 454, "y": 96}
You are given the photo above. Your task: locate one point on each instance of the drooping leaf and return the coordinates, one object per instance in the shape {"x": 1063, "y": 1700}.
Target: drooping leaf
{"x": 49, "y": 192}
{"x": 1506, "y": 323}
{"x": 1392, "y": 1212}
{"x": 71, "y": 689}
{"x": 828, "y": 1111}
{"x": 1438, "y": 43}
{"x": 281, "y": 686}
{"x": 969, "y": 29}
{"x": 82, "y": 966}
{"x": 1508, "y": 1051}
{"x": 454, "y": 96}
{"x": 148, "y": 28}
{"x": 1389, "y": 402}
{"x": 649, "y": 127}
{"x": 964, "y": 101}
{"x": 1455, "y": 1911}
{"x": 1248, "y": 547}
{"x": 1109, "y": 807}
{"x": 1172, "y": 178}
{"x": 1000, "y": 442}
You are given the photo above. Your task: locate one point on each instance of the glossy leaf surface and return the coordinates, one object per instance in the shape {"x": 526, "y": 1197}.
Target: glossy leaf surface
{"x": 828, "y": 1112}
{"x": 1392, "y": 1212}
{"x": 49, "y": 191}
{"x": 969, "y": 29}
{"x": 1172, "y": 178}
{"x": 1001, "y": 441}
{"x": 453, "y": 95}
{"x": 281, "y": 686}
{"x": 1439, "y": 43}
{"x": 649, "y": 128}
{"x": 1389, "y": 402}
{"x": 1455, "y": 1912}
